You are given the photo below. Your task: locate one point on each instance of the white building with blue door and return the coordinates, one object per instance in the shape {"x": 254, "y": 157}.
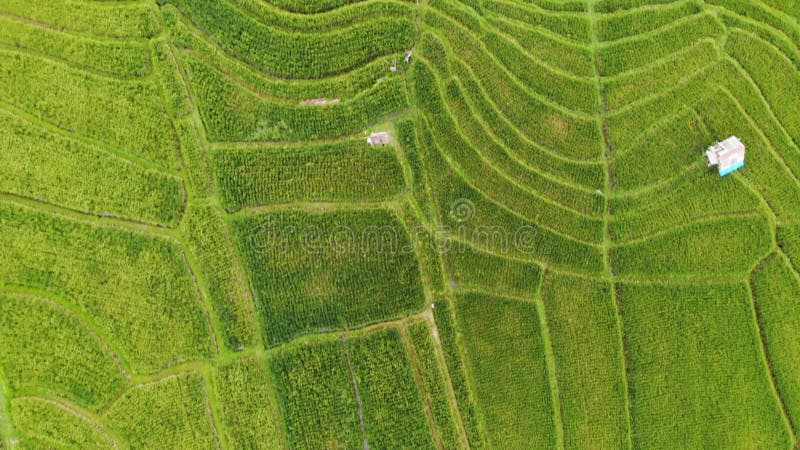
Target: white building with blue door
{"x": 727, "y": 155}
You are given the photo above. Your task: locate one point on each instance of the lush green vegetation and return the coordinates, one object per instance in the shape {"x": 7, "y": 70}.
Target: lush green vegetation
{"x": 199, "y": 249}
{"x": 316, "y": 271}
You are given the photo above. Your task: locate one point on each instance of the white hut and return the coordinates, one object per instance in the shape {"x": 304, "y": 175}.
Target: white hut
{"x": 728, "y": 155}
{"x": 380, "y": 138}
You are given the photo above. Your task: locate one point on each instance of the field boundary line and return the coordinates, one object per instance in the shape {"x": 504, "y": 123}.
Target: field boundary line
{"x": 92, "y": 219}
{"x": 426, "y": 402}
{"x": 321, "y": 207}
{"x": 354, "y": 382}
{"x": 600, "y": 117}
{"x": 760, "y": 335}
{"x": 555, "y": 394}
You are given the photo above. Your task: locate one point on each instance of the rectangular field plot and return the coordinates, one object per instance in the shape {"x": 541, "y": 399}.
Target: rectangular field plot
{"x": 38, "y": 164}
{"x": 324, "y": 409}
{"x": 314, "y": 271}
{"x": 505, "y": 361}
{"x": 393, "y": 408}
{"x": 347, "y": 170}
{"x": 248, "y": 413}
{"x": 587, "y": 349}
{"x": 170, "y": 413}
{"x": 136, "y": 289}
{"x": 776, "y": 291}
{"x": 697, "y": 374}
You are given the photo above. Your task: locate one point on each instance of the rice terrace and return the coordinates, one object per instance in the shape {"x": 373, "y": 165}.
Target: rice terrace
{"x": 399, "y": 224}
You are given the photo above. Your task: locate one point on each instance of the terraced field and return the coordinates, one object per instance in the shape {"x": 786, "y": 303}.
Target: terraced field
{"x": 199, "y": 249}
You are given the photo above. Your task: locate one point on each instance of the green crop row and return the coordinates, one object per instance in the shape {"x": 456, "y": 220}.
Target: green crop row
{"x": 724, "y": 117}
{"x": 757, "y": 11}
{"x": 46, "y": 423}
{"x": 137, "y": 19}
{"x": 611, "y": 27}
{"x": 210, "y": 242}
{"x": 314, "y": 271}
{"x": 622, "y": 90}
{"x": 426, "y": 246}
{"x": 589, "y": 175}
{"x": 169, "y": 75}
{"x": 681, "y": 143}
{"x": 588, "y": 359}
{"x": 505, "y": 361}
{"x": 610, "y": 6}
{"x": 506, "y": 162}
{"x": 116, "y": 278}
{"x": 51, "y": 168}
{"x": 789, "y": 242}
{"x": 340, "y": 86}
{"x": 45, "y": 348}
{"x": 699, "y": 193}
{"x": 574, "y": 137}
{"x": 578, "y": 94}
{"x": 552, "y": 51}
{"x": 247, "y": 411}
{"x": 575, "y": 27}
{"x": 744, "y": 91}
{"x": 641, "y": 50}
{"x": 390, "y": 398}
{"x": 448, "y": 335}
{"x": 126, "y": 114}
{"x": 318, "y": 6}
{"x": 722, "y": 247}
{"x": 772, "y": 72}
{"x": 231, "y": 112}
{"x": 169, "y": 413}
{"x": 316, "y": 397}
{"x": 629, "y": 126}
{"x": 696, "y": 370}
{"x": 298, "y": 55}
{"x": 776, "y": 292}
{"x": 469, "y": 268}
{"x": 119, "y": 58}
{"x": 269, "y": 15}
{"x": 198, "y": 175}
{"x": 487, "y": 179}
{"x": 350, "y": 393}
{"x": 495, "y": 228}
{"x": 347, "y": 170}
{"x": 434, "y": 385}
{"x": 407, "y": 138}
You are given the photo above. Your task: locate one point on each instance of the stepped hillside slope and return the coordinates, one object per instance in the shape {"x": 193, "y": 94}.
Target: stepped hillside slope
{"x": 199, "y": 248}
